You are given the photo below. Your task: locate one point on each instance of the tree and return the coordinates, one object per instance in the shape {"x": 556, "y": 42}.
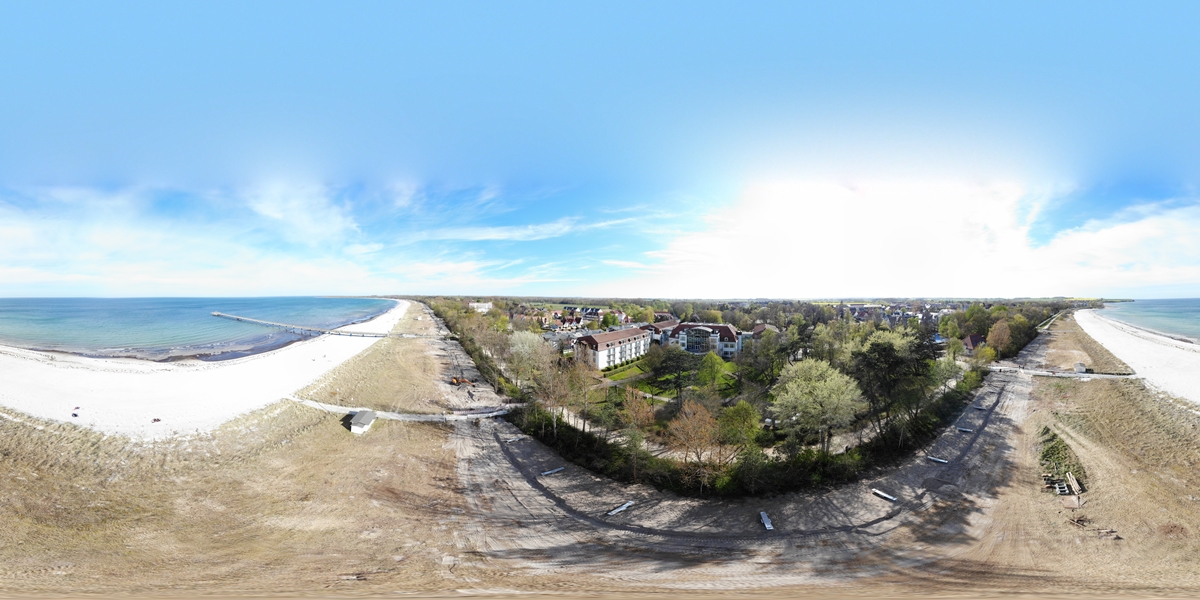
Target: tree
{"x": 948, "y": 328}
{"x": 880, "y": 369}
{"x": 709, "y": 316}
{"x": 814, "y": 398}
{"x": 693, "y": 432}
{"x": 954, "y": 347}
{"x": 608, "y": 320}
{"x": 945, "y": 372}
{"x": 982, "y": 357}
{"x": 738, "y": 425}
{"x": 675, "y": 369}
{"x": 524, "y": 348}
{"x": 711, "y": 369}
{"x": 637, "y": 411}
{"x": 977, "y": 320}
{"x": 1000, "y": 337}
{"x": 653, "y": 357}
{"x": 645, "y": 315}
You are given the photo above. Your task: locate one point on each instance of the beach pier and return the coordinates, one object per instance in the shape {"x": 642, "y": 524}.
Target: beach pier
{"x": 299, "y": 328}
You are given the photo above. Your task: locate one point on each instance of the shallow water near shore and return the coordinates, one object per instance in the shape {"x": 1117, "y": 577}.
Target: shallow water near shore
{"x": 171, "y": 328}
{"x": 1177, "y": 317}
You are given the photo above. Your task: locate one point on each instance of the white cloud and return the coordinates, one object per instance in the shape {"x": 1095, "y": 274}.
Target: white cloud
{"x": 302, "y": 213}
{"x": 517, "y": 233}
{"x": 361, "y": 249}
{"x": 812, "y": 239}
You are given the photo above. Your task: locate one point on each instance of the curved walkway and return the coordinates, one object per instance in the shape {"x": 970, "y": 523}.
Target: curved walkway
{"x": 459, "y": 415}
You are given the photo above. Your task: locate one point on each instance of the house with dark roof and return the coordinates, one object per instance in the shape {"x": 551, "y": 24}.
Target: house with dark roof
{"x": 602, "y": 350}
{"x": 973, "y": 342}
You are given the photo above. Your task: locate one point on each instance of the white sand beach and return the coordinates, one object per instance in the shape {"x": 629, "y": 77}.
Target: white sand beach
{"x": 1170, "y": 365}
{"x": 125, "y": 396}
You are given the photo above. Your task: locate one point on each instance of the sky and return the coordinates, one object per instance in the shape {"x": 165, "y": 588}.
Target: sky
{"x": 607, "y": 149}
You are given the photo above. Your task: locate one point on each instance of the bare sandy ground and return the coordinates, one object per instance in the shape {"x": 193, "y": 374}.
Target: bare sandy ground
{"x": 1170, "y": 365}
{"x": 124, "y": 396}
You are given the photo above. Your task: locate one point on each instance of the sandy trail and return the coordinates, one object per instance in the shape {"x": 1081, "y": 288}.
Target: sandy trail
{"x": 124, "y": 396}
{"x": 1168, "y": 364}
{"x": 560, "y": 521}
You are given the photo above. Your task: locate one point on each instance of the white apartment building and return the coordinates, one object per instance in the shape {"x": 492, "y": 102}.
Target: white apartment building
{"x": 602, "y": 350}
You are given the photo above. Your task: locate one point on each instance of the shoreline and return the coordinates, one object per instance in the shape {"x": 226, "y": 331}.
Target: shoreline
{"x": 150, "y": 400}
{"x": 1174, "y": 336}
{"x": 208, "y": 357}
{"x": 1166, "y": 363}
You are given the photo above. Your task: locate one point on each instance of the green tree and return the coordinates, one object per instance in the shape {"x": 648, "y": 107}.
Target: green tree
{"x": 954, "y": 347}
{"x": 983, "y": 356}
{"x": 948, "y": 328}
{"x": 711, "y": 369}
{"x": 814, "y": 398}
{"x": 608, "y": 320}
{"x": 739, "y": 424}
{"x": 675, "y": 369}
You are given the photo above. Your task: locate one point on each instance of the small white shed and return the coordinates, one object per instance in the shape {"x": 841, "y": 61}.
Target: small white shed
{"x": 362, "y": 421}
{"x": 1080, "y": 368}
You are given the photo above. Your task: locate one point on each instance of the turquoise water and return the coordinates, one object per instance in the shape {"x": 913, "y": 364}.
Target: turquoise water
{"x": 171, "y": 328}
{"x": 1179, "y": 318}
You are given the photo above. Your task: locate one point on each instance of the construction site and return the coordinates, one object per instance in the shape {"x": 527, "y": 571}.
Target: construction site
{"x": 1042, "y": 485}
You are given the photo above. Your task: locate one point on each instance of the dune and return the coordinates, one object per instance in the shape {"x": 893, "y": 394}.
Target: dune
{"x": 1168, "y": 364}
{"x": 147, "y": 400}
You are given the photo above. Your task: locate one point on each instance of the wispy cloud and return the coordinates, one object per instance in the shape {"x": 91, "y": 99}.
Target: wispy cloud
{"x": 519, "y": 233}
{"x": 627, "y": 264}
{"x": 305, "y": 213}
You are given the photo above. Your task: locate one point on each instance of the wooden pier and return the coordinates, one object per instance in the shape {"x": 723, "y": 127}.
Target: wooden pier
{"x": 299, "y": 328}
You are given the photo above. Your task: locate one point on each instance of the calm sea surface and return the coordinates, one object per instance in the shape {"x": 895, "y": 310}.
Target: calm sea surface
{"x": 170, "y": 328}
{"x": 1175, "y": 317}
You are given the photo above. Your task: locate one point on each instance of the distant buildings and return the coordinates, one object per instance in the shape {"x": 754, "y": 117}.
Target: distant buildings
{"x": 480, "y": 307}
{"x": 602, "y": 350}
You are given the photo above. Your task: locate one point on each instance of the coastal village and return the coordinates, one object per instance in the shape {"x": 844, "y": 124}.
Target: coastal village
{"x": 605, "y": 337}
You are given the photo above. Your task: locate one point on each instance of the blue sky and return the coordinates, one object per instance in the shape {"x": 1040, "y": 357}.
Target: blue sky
{"x": 672, "y": 149}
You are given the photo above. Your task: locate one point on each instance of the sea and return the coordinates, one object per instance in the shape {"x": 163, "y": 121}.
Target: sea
{"x": 166, "y": 329}
{"x": 1179, "y": 318}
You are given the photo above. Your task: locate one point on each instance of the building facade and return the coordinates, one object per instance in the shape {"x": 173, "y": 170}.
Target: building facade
{"x": 602, "y": 350}
{"x": 702, "y": 338}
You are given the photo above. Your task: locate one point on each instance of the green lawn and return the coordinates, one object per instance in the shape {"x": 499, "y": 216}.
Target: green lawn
{"x": 650, "y": 388}
{"x": 635, "y": 370}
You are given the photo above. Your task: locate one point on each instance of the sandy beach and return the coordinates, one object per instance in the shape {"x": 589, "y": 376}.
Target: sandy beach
{"x": 125, "y": 396}
{"x": 1168, "y": 364}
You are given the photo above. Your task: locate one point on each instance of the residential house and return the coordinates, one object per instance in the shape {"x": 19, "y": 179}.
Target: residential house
{"x": 973, "y": 342}
{"x": 480, "y": 307}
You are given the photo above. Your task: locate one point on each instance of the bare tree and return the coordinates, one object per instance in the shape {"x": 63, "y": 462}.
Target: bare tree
{"x": 693, "y": 432}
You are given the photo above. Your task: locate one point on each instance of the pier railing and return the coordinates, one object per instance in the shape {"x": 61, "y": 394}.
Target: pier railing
{"x": 300, "y": 328}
